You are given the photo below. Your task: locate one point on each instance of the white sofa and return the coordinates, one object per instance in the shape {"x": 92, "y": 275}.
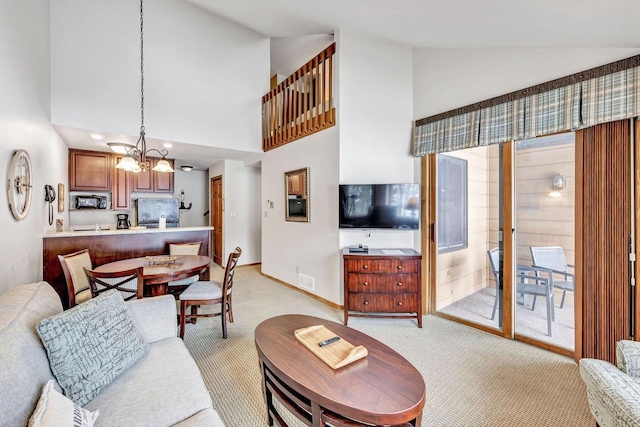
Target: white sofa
{"x": 163, "y": 388}
{"x": 614, "y": 392}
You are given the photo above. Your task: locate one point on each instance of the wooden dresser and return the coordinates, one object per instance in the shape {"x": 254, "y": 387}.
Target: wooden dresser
{"x": 379, "y": 284}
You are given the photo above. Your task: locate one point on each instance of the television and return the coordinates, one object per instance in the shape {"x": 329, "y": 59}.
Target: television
{"x": 383, "y": 206}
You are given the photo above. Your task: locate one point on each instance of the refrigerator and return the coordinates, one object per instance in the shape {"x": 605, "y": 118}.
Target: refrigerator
{"x": 149, "y": 212}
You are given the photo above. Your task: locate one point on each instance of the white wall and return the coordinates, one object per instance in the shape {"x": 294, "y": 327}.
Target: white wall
{"x": 445, "y": 79}
{"x": 204, "y": 76}
{"x": 196, "y": 190}
{"x": 241, "y": 223}
{"x": 376, "y": 96}
{"x": 24, "y": 124}
{"x": 312, "y": 247}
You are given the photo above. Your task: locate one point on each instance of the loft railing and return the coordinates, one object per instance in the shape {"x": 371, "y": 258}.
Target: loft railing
{"x": 302, "y": 104}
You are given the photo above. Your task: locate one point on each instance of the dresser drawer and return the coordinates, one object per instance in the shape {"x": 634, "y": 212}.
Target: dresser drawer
{"x": 382, "y": 283}
{"x": 381, "y": 266}
{"x": 383, "y": 303}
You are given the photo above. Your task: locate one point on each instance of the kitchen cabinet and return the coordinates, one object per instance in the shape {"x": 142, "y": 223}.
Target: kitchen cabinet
{"x": 377, "y": 283}
{"x": 297, "y": 184}
{"x": 154, "y": 182}
{"x": 90, "y": 170}
{"x": 122, "y": 186}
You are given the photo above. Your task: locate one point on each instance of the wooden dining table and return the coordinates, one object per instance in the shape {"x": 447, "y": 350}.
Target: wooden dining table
{"x": 156, "y": 276}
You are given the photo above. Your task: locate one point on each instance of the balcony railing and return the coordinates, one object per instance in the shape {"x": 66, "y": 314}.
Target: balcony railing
{"x": 302, "y": 104}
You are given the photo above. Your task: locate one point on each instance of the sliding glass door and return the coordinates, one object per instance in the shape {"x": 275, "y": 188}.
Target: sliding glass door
{"x": 545, "y": 239}
{"x": 467, "y": 236}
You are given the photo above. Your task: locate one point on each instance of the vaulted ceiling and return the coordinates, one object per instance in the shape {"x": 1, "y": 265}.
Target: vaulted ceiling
{"x": 446, "y": 23}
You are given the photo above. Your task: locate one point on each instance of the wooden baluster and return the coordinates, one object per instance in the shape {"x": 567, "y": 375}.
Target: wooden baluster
{"x": 321, "y": 76}
{"x": 304, "y": 98}
{"x": 331, "y": 112}
{"x": 292, "y": 92}
{"x": 316, "y": 93}
{"x": 299, "y": 99}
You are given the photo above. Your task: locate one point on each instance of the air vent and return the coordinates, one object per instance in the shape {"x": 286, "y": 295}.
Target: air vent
{"x": 306, "y": 282}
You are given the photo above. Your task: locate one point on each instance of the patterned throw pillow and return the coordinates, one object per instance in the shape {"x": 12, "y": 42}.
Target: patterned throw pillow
{"x": 55, "y": 410}
{"x": 90, "y": 345}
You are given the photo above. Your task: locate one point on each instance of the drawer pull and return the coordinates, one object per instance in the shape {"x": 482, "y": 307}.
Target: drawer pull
{"x": 366, "y": 303}
{"x": 366, "y": 283}
{"x": 365, "y": 266}
{"x": 399, "y": 267}
{"x": 400, "y": 303}
{"x": 399, "y": 283}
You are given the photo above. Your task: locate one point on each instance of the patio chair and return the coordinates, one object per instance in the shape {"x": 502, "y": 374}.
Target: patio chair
{"x": 552, "y": 258}
{"x": 528, "y": 282}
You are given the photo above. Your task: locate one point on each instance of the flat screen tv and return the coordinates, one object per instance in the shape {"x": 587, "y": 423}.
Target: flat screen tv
{"x": 370, "y": 206}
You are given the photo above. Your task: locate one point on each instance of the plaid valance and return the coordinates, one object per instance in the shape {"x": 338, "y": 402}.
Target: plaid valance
{"x": 599, "y": 95}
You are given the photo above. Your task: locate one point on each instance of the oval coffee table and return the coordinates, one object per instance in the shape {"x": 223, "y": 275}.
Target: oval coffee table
{"x": 381, "y": 389}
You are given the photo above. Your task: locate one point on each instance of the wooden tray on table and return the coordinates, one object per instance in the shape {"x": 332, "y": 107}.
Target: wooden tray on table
{"x": 336, "y": 354}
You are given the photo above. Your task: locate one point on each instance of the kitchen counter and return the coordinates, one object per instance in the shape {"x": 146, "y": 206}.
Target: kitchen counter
{"x": 114, "y": 245}
{"x": 50, "y": 234}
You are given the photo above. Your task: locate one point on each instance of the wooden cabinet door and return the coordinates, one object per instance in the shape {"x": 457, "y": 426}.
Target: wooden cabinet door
{"x": 143, "y": 182}
{"x": 89, "y": 170}
{"x": 154, "y": 182}
{"x": 122, "y": 184}
{"x": 162, "y": 181}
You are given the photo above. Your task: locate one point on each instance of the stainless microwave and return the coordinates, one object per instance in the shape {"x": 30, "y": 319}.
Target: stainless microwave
{"x": 91, "y": 202}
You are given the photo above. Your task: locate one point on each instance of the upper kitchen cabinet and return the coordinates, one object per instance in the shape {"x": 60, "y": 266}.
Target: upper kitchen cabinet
{"x": 122, "y": 184}
{"x": 154, "y": 182}
{"x": 90, "y": 170}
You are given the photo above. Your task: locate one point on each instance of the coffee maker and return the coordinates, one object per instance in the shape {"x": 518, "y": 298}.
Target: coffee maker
{"x": 123, "y": 222}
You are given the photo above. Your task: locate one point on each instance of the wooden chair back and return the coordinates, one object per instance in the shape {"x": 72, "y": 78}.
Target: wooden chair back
{"x": 188, "y": 248}
{"x": 128, "y": 282}
{"x": 73, "y": 266}
{"x": 229, "y": 271}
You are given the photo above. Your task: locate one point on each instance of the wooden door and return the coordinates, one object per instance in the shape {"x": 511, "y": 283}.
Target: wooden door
{"x": 603, "y": 231}
{"x": 143, "y": 182}
{"x": 216, "y": 218}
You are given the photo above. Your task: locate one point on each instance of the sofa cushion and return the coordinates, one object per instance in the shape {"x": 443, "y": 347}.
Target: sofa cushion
{"x": 56, "y": 410}
{"x": 91, "y": 344}
{"x": 24, "y": 370}
{"x": 162, "y": 389}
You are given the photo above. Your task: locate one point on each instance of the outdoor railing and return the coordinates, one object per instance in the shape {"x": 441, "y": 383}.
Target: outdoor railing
{"x": 300, "y": 105}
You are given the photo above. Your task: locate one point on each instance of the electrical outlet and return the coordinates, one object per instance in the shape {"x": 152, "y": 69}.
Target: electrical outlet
{"x": 297, "y": 269}
{"x": 265, "y": 214}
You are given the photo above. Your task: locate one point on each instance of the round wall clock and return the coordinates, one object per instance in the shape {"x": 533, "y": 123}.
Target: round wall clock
{"x": 19, "y": 184}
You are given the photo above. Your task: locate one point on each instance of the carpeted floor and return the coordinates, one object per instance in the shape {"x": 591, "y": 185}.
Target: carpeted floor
{"x": 472, "y": 378}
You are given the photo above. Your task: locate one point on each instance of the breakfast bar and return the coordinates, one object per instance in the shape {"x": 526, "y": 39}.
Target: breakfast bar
{"x": 114, "y": 245}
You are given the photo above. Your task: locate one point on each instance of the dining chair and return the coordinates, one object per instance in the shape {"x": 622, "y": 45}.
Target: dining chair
{"x": 552, "y": 258}
{"x": 179, "y": 248}
{"x": 209, "y": 293}
{"x": 527, "y": 282}
{"x": 73, "y": 265}
{"x": 128, "y": 282}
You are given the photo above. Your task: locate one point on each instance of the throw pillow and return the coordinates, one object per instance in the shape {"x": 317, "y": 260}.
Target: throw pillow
{"x": 55, "y": 410}
{"x": 90, "y": 345}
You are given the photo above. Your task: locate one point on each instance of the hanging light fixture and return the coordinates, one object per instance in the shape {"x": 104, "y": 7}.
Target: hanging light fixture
{"x": 135, "y": 159}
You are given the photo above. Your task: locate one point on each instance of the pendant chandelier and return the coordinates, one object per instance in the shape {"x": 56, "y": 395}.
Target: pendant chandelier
{"x": 135, "y": 159}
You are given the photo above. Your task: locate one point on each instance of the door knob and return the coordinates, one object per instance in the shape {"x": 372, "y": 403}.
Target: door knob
{"x": 400, "y": 303}
{"x": 399, "y": 267}
{"x": 399, "y": 283}
{"x": 366, "y": 283}
{"x": 365, "y": 266}
{"x": 366, "y": 303}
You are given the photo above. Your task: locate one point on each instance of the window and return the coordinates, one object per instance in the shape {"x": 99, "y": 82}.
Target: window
{"x": 452, "y": 218}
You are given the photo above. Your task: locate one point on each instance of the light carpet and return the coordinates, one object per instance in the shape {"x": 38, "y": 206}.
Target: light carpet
{"x": 472, "y": 378}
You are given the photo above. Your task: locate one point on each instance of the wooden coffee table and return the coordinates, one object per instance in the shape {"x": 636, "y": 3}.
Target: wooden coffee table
{"x": 381, "y": 389}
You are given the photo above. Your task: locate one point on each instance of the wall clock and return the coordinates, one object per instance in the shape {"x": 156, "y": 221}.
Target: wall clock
{"x": 19, "y": 184}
